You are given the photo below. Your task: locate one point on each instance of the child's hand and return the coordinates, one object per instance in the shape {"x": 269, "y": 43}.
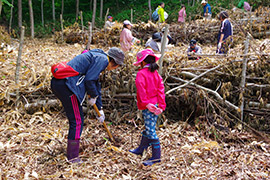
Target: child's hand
{"x": 151, "y": 107}
{"x": 158, "y": 111}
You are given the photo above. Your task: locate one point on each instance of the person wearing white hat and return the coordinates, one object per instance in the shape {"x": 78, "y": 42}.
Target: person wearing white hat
{"x": 126, "y": 37}
{"x": 206, "y": 9}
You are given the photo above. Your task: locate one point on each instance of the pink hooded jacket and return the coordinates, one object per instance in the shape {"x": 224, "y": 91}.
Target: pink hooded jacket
{"x": 150, "y": 89}
{"x": 126, "y": 39}
{"x": 181, "y": 15}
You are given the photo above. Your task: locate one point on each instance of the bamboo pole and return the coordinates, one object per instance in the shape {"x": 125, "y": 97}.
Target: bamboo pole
{"x": 243, "y": 79}
{"x": 18, "y": 66}
{"x": 62, "y": 28}
{"x": 195, "y": 78}
{"x": 101, "y": 9}
{"x": 11, "y": 15}
{"x": 163, "y": 46}
{"x": 81, "y": 15}
{"x": 42, "y": 14}
{"x": 31, "y": 18}
{"x": 150, "y": 10}
{"x": 216, "y": 94}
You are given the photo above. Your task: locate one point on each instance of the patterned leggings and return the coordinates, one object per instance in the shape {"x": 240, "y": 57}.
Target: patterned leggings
{"x": 150, "y": 121}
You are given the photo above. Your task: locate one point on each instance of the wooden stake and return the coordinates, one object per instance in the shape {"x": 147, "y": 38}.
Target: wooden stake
{"x": 163, "y": 46}
{"x": 131, "y": 16}
{"x": 18, "y": 66}
{"x": 243, "y": 79}
{"x": 89, "y": 36}
{"x": 81, "y": 15}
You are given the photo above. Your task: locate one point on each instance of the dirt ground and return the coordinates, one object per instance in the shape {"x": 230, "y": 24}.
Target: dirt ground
{"x": 34, "y": 146}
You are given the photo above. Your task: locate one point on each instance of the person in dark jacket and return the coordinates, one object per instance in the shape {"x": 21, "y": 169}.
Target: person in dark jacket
{"x": 225, "y": 33}
{"x": 72, "y": 91}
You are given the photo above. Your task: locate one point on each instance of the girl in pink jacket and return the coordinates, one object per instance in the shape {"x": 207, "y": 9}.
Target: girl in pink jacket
{"x": 182, "y": 14}
{"x": 151, "y": 100}
{"x": 126, "y": 38}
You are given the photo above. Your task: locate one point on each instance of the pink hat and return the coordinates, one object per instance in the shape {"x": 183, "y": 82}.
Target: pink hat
{"x": 143, "y": 54}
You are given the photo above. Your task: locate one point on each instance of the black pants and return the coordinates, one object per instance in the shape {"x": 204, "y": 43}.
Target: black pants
{"x": 72, "y": 107}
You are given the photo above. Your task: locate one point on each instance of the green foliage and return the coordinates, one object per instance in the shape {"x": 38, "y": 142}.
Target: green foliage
{"x": 120, "y": 10}
{"x": 6, "y": 2}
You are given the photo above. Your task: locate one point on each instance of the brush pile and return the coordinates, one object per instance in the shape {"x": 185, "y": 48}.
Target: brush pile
{"x": 203, "y": 30}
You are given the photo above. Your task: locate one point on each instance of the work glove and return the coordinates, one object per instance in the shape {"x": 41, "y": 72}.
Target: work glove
{"x": 151, "y": 107}
{"x": 158, "y": 111}
{"x": 219, "y": 45}
{"x": 101, "y": 118}
{"x": 93, "y": 101}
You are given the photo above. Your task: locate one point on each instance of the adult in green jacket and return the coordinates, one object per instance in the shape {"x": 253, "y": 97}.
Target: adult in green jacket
{"x": 161, "y": 12}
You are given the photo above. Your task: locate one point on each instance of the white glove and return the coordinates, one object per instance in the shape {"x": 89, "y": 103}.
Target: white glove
{"x": 219, "y": 45}
{"x": 101, "y": 118}
{"x": 93, "y": 101}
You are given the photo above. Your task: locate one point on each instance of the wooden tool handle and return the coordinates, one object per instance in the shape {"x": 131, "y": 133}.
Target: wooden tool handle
{"x": 104, "y": 124}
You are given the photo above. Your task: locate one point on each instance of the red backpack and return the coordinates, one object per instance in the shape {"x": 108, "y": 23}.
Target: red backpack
{"x": 61, "y": 70}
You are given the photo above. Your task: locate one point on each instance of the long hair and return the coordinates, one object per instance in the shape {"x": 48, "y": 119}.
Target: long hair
{"x": 152, "y": 61}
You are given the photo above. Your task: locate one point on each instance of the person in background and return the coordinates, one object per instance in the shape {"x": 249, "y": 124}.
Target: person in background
{"x": 225, "y": 33}
{"x": 72, "y": 91}
{"x": 161, "y": 12}
{"x": 192, "y": 49}
{"x": 109, "y": 23}
{"x": 151, "y": 100}
{"x": 126, "y": 38}
{"x": 206, "y": 9}
{"x": 244, "y": 5}
{"x": 170, "y": 39}
{"x": 155, "y": 42}
{"x": 182, "y": 14}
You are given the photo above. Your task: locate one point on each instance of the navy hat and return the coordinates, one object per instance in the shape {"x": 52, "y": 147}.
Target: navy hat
{"x": 117, "y": 54}
{"x": 156, "y": 36}
{"x": 193, "y": 42}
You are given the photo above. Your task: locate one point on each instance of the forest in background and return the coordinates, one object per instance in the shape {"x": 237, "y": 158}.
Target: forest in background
{"x": 120, "y": 10}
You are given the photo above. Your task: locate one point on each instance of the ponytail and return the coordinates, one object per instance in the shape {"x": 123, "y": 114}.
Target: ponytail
{"x": 151, "y": 60}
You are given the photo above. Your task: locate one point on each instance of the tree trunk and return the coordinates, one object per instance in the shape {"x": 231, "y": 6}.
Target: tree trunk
{"x": 94, "y": 14}
{"x": 77, "y": 9}
{"x": 31, "y": 18}
{"x": 53, "y": 11}
{"x": 1, "y": 4}
{"x": 18, "y": 65}
{"x": 62, "y": 28}
{"x": 20, "y": 13}
{"x": 42, "y": 13}
{"x": 150, "y": 10}
{"x": 11, "y": 15}
{"x": 101, "y": 9}
{"x": 62, "y": 8}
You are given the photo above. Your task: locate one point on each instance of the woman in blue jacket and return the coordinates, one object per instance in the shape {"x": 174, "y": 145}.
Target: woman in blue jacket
{"x": 72, "y": 91}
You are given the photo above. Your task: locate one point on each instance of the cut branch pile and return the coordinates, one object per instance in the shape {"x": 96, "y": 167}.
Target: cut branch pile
{"x": 203, "y": 30}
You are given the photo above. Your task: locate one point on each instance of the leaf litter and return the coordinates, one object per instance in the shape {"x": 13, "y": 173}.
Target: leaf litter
{"x": 33, "y": 146}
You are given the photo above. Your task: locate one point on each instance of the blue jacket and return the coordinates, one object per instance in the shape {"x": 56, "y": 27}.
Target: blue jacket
{"x": 205, "y": 9}
{"x": 89, "y": 65}
{"x": 226, "y": 29}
